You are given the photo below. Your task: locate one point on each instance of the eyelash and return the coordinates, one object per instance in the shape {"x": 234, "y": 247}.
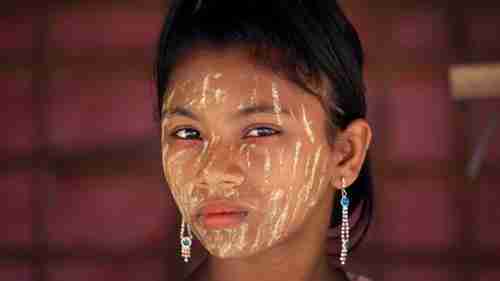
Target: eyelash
{"x": 265, "y": 128}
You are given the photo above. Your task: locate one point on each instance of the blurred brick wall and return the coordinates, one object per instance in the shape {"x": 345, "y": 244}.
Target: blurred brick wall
{"x": 82, "y": 194}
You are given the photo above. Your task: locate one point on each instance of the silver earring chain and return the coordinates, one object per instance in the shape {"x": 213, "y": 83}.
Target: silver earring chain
{"x": 344, "y": 229}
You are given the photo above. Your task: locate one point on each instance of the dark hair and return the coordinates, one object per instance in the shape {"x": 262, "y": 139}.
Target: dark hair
{"x": 315, "y": 41}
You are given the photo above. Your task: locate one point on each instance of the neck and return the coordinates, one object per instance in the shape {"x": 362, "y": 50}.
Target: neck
{"x": 272, "y": 269}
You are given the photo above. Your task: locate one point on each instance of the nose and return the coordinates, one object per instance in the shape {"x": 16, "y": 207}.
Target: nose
{"x": 220, "y": 170}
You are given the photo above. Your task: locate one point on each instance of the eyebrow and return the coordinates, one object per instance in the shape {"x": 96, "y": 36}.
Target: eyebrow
{"x": 245, "y": 111}
{"x": 179, "y": 111}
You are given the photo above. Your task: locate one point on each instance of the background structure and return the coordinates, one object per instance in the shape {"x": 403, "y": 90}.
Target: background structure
{"x": 81, "y": 192}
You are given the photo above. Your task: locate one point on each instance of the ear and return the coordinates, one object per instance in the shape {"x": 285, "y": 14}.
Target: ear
{"x": 350, "y": 149}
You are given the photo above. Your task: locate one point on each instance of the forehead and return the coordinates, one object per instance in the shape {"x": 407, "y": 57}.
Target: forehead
{"x": 233, "y": 77}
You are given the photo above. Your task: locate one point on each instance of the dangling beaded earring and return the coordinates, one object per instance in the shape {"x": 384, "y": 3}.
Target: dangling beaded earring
{"x": 344, "y": 230}
{"x": 186, "y": 241}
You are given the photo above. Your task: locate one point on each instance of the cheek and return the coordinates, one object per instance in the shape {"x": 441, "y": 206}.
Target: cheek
{"x": 302, "y": 183}
{"x": 179, "y": 159}
{"x": 178, "y": 169}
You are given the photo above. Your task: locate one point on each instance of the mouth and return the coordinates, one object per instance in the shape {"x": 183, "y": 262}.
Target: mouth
{"x": 222, "y": 214}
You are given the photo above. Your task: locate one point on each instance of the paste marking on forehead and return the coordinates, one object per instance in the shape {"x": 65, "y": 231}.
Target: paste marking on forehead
{"x": 307, "y": 124}
{"x": 219, "y": 96}
{"x": 168, "y": 102}
{"x": 253, "y": 96}
{"x": 252, "y": 99}
{"x": 203, "y": 100}
{"x": 276, "y": 101}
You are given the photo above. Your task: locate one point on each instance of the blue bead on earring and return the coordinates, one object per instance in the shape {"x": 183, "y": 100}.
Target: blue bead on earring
{"x": 186, "y": 241}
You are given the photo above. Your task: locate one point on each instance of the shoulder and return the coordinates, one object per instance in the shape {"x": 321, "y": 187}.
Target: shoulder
{"x": 357, "y": 277}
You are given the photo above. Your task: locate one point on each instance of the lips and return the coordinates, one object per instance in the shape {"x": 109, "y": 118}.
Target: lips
{"x": 222, "y": 214}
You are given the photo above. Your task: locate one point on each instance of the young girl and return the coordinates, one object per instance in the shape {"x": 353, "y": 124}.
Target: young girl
{"x": 264, "y": 137}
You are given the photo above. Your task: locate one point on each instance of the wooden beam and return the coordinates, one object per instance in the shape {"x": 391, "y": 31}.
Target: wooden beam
{"x": 475, "y": 81}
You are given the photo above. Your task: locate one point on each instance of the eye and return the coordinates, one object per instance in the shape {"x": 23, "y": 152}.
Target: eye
{"x": 186, "y": 133}
{"x": 262, "y": 132}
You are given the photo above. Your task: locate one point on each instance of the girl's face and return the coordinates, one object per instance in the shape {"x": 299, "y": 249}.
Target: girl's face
{"x": 237, "y": 136}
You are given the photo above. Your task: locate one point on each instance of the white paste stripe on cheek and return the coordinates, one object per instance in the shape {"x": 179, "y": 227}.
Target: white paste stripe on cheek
{"x": 295, "y": 208}
{"x": 281, "y": 153}
{"x": 175, "y": 173}
{"x": 310, "y": 182}
{"x": 214, "y": 140}
{"x": 250, "y": 147}
{"x": 164, "y": 152}
{"x": 316, "y": 194}
{"x": 267, "y": 167}
{"x": 296, "y": 155}
{"x": 164, "y": 132}
{"x": 280, "y": 223}
{"x": 307, "y": 170}
{"x": 276, "y": 198}
{"x": 304, "y": 192}
{"x": 201, "y": 155}
{"x": 242, "y": 147}
{"x": 307, "y": 124}
{"x": 176, "y": 156}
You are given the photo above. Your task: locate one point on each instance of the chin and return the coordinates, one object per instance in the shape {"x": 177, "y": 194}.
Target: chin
{"x": 239, "y": 242}
{"x": 229, "y": 254}
{"x": 230, "y": 249}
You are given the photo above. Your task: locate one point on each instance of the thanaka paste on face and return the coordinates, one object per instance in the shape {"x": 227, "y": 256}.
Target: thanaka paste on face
{"x": 281, "y": 184}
